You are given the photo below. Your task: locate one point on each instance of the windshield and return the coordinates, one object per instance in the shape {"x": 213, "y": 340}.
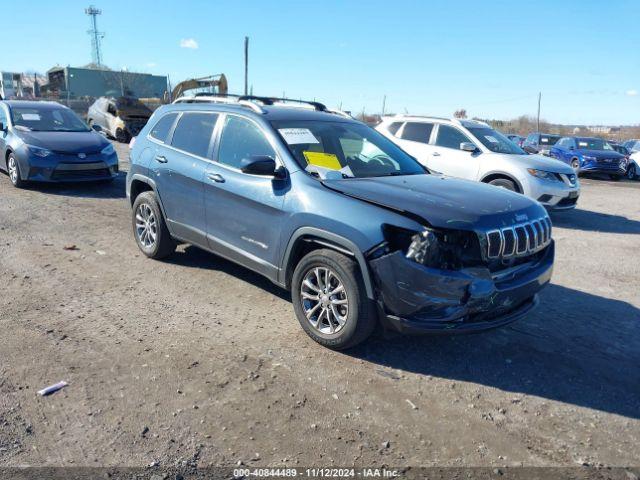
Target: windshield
{"x": 47, "y": 119}
{"x": 344, "y": 150}
{"x": 593, "y": 144}
{"x": 495, "y": 141}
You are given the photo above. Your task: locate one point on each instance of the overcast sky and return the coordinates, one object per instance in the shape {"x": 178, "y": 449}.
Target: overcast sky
{"x": 428, "y": 57}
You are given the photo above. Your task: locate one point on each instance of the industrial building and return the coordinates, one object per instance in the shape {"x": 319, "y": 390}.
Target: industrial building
{"x": 93, "y": 82}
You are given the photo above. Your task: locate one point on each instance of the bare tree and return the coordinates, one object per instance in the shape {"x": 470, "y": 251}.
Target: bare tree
{"x": 462, "y": 113}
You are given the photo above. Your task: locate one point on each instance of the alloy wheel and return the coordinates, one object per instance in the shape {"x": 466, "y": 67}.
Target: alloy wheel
{"x": 13, "y": 170}
{"x": 324, "y": 300}
{"x": 575, "y": 164}
{"x": 631, "y": 172}
{"x": 146, "y": 226}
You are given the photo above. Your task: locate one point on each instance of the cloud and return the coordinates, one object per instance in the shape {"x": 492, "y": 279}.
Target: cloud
{"x": 188, "y": 43}
{"x": 632, "y": 93}
{"x": 151, "y": 64}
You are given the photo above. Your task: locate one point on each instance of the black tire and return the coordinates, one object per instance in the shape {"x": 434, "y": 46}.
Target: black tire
{"x": 615, "y": 178}
{"x": 631, "y": 172}
{"x": 575, "y": 164}
{"x": 504, "y": 183}
{"x": 163, "y": 245}
{"x": 122, "y": 136}
{"x": 361, "y": 317}
{"x": 15, "y": 179}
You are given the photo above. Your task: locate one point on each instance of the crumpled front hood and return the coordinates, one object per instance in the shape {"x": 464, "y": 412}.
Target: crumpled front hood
{"x": 65, "y": 142}
{"x": 443, "y": 202}
{"x": 540, "y": 162}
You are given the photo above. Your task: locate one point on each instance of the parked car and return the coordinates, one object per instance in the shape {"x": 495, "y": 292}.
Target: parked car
{"x": 121, "y": 118}
{"x": 587, "y": 154}
{"x": 539, "y": 143}
{"x": 632, "y": 145}
{"x": 472, "y": 150}
{"x": 48, "y": 142}
{"x": 517, "y": 139}
{"x": 328, "y": 208}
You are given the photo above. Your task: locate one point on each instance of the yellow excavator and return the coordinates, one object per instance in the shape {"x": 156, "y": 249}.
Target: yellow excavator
{"x": 213, "y": 83}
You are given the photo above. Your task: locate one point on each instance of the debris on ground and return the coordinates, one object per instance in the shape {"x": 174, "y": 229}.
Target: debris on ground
{"x": 52, "y": 388}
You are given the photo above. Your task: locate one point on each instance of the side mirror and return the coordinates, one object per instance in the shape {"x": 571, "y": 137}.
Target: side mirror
{"x": 572, "y": 148}
{"x": 2, "y": 127}
{"x": 261, "y": 165}
{"x": 468, "y": 147}
{"x": 97, "y": 128}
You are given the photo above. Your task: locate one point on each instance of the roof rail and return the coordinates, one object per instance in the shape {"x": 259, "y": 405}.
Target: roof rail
{"x": 272, "y": 100}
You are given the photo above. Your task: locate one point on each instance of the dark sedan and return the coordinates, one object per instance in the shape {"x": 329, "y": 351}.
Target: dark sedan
{"x": 48, "y": 142}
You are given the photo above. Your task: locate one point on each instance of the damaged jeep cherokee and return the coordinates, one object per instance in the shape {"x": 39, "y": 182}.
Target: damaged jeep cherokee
{"x": 330, "y": 209}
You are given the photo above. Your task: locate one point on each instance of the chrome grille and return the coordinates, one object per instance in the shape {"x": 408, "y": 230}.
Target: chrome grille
{"x": 522, "y": 239}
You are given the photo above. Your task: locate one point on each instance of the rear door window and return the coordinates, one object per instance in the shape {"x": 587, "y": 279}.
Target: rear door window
{"x": 161, "y": 129}
{"x": 450, "y": 137}
{"x": 417, "y": 132}
{"x": 193, "y": 133}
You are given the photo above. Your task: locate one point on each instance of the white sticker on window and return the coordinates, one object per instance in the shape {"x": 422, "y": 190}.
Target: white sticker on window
{"x": 491, "y": 138}
{"x": 31, "y": 116}
{"x": 295, "y": 136}
{"x": 544, "y": 140}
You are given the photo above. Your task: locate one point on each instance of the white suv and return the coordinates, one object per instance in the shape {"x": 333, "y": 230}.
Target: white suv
{"x": 473, "y": 150}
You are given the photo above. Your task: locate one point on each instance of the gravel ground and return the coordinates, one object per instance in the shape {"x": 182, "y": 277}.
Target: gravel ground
{"x": 196, "y": 361}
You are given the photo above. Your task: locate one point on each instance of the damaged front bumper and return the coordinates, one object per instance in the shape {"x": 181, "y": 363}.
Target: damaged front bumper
{"x": 415, "y": 298}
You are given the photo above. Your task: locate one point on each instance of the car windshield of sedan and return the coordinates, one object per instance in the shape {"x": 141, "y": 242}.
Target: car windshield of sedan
{"x": 47, "y": 119}
{"x": 593, "y": 144}
{"x": 495, "y": 141}
{"x": 333, "y": 150}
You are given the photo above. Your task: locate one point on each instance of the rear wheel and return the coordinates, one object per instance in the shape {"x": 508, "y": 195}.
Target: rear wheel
{"x": 330, "y": 300}
{"x": 631, "y": 172}
{"x": 504, "y": 183}
{"x": 122, "y": 136}
{"x": 149, "y": 227}
{"x": 14, "y": 172}
{"x": 575, "y": 164}
{"x": 615, "y": 178}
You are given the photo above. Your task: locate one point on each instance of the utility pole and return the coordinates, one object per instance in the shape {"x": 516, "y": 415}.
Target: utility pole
{"x": 538, "y": 121}
{"x": 384, "y": 104}
{"x": 96, "y": 36}
{"x": 246, "y": 65}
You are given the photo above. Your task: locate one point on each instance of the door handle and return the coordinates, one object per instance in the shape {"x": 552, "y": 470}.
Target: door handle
{"x": 161, "y": 159}
{"x": 436, "y": 154}
{"x": 216, "y": 177}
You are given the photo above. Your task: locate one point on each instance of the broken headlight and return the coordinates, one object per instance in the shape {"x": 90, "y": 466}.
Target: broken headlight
{"x": 444, "y": 249}
{"x": 424, "y": 248}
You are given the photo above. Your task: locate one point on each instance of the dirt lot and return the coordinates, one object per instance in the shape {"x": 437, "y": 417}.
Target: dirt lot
{"x": 197, "y": 360}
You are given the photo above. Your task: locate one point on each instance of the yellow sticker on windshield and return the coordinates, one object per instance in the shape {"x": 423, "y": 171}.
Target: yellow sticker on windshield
{"x": 324, "y": 160}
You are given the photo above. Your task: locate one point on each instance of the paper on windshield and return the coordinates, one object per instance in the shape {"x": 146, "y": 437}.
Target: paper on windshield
{"x": 491, "y": 138}
{"x": 324, "y": 160}
{"x": 31, "y": 117}
{"x": 296, "y": 136}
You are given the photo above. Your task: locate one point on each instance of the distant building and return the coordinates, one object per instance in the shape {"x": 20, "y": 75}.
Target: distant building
{"x": 20, "y": 85}
{"x": 91, "y": 82}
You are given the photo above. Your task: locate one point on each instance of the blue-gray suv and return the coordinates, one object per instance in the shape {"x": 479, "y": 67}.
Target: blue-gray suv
{"x": 330, "y": 209}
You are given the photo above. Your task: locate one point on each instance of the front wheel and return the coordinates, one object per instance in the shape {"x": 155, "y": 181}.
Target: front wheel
{"x": 14, "y": 172}
{"x": 330, "y": 300}
{"x": 575, "y": 164}
{"x": 631, "y": 172}
{"x": 504, "y": 183}
{"x": 149, "y": 227}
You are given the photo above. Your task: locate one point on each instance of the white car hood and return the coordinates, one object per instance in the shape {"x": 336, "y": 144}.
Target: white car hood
{"x": 539, "y": 162}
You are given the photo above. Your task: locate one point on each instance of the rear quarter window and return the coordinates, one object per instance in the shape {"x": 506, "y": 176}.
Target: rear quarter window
{"x": 161, "y": 129}
{"x": 193, "y": 133}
